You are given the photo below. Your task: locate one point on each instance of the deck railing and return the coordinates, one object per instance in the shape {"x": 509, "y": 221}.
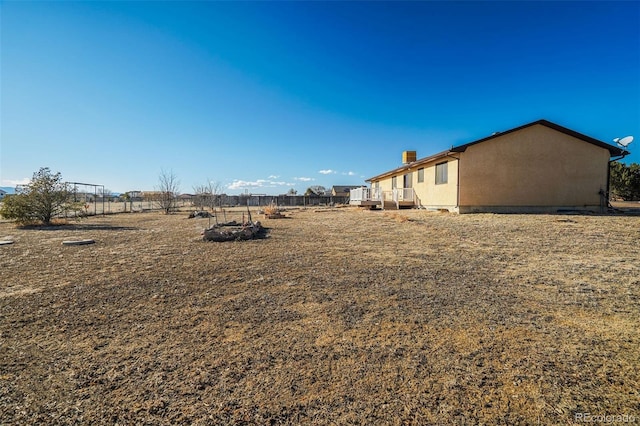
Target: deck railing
{"x": 396, "y": 195}
{"x": 403, "y": 194}
{"x": 365, "y": 194}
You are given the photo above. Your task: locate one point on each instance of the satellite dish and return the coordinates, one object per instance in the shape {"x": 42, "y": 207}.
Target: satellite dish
{"x": 624, "y": 142}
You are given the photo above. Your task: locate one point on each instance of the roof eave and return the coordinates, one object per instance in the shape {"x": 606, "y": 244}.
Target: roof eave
{"x": 613, "y": 150}
{"x": 409, "y": 166}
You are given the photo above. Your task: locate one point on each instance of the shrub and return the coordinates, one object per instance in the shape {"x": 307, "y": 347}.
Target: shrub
{"x": 40, "y": 201}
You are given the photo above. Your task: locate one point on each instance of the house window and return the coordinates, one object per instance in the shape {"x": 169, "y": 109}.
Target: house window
{"x": 394, "y": 182}
{"x": 441, "y": 173}
{"x": 421, "y": 175}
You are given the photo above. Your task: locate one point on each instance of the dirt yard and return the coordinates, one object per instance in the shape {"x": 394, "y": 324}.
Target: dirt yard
{"x": 340, "y": 316}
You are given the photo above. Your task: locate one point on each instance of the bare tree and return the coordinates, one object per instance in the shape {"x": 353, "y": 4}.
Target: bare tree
{"x": 207, "y": 195}
{"x": 105, "y": 193}
{"x": 215, "y": 189}
{"x": 200, "y": 196}
{"x": 168, "y": 190}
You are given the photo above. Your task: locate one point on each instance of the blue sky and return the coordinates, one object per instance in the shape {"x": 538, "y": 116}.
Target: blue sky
{"x": 267, "y": 96}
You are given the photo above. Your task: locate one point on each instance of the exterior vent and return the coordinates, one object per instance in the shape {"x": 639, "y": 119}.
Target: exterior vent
{"x": 408, "y": 157}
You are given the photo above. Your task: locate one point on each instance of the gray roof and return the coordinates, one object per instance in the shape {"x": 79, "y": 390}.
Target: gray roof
{"x": 344, "y": 188}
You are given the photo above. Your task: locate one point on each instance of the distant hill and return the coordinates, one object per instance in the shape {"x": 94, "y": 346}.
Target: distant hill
{"x": 8, "y": 189}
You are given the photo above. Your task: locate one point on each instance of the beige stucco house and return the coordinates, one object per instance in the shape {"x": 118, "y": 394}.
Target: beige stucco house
{"x": 537, "y": 167}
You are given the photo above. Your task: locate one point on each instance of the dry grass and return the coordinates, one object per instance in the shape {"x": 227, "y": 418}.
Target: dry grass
{"x": 398, "y": 217}
{"x": 344, "y": 318}
{"x": 271, "y": 209}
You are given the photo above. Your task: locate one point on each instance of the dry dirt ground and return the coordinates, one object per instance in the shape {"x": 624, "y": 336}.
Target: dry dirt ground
{"x": 340, "y": 316}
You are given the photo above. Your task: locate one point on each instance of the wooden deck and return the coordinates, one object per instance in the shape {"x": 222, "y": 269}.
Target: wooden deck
{"x": 387, "y": 200}
{"x": 365, "y": 203}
